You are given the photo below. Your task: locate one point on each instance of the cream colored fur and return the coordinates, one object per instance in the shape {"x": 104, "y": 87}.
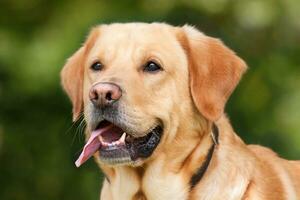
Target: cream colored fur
{"x": 199, "y": 74}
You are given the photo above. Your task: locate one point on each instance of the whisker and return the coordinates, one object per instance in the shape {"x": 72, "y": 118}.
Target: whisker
{"x": 79, "y": 128}
{"x": 74, "y": 123}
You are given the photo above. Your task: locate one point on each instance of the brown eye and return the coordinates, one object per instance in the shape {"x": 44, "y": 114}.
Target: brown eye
{"x": 97, "y": 66}
{"x": 152, "y": 67}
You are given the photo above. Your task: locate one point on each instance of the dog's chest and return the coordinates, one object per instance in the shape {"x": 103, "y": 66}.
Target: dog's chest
{"x": 154, "y": 184}
{"x": 159, "y": 186}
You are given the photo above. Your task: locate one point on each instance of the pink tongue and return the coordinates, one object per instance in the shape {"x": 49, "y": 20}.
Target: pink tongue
{"x": 92, "y": 145}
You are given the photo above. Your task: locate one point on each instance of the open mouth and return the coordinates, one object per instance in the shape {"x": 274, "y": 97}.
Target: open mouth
{"x": 115, "y": 146}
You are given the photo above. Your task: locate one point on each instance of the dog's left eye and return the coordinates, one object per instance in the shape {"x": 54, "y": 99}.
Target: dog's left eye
{"x": 97, "y": 66}
{"x": 152, "y": 67}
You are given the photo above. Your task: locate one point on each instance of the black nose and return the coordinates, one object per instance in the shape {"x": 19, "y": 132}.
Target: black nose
{"x": 104, "y": 94}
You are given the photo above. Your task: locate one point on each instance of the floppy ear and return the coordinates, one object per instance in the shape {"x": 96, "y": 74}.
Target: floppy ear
{"x": 72, "y": 74}
{"x": 214, "y": 72}
{"x": 72, "y": 80}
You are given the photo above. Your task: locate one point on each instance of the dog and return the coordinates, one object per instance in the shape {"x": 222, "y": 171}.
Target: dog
{"x": 153, "y": 98}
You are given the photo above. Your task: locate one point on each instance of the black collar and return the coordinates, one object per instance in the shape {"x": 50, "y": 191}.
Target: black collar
{"x": 200, "y": 172}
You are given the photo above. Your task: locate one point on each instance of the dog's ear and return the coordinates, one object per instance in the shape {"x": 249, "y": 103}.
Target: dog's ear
{"x": 214, "y": 71}
{"x": 72, "y": 80}
{"x": 72, "y": 74}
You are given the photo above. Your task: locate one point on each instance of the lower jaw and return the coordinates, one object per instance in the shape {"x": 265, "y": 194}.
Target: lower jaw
{"x": 119, "y": 156}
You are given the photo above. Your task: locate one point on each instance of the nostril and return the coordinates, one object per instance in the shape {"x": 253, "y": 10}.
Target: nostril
{"x": 108, "y": 96}
{"x": 95, "y": 95}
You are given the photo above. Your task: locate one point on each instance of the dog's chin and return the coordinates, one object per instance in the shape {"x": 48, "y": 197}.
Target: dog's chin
{"x": 117, "y": 147}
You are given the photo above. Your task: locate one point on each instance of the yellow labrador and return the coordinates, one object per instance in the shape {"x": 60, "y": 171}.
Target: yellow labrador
{"x": 153, "y": 97}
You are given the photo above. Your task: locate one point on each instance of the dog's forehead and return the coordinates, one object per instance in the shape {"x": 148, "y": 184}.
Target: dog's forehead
{"x": 132, "y": 39}
{"x": 135, "y": 32}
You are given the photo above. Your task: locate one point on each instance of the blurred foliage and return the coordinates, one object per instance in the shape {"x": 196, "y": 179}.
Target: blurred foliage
{"x": 38, "y": 143}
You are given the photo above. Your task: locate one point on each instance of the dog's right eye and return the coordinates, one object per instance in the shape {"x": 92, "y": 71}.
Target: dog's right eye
{"x": 152, "y": 67}
{"x": 97, "y": 66}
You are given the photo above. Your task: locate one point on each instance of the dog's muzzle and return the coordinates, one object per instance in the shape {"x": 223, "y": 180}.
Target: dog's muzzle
{"x": 112, "y": 135}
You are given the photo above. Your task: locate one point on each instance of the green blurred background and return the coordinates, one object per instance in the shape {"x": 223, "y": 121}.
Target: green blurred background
{"x": 39, "y": 143}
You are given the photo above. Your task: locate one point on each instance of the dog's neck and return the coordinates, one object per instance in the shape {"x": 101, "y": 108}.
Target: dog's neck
{"x": 197, "y": 176}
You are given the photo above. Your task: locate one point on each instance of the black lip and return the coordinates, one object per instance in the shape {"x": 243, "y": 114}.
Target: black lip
{"x": 141, "y": 147}
{"x": 144, "y": 147}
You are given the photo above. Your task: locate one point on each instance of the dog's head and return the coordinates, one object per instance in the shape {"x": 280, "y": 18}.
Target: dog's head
{"x": 139, "y": 84}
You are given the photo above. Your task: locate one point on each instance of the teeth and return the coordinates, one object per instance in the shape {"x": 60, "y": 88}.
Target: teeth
{"x": 115, "y": 143}
{"x": 101, "y": 139}
{"x": 122, "y": 139}
{"x": 110, "y": 144}
{"x": 105, "y": 144}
